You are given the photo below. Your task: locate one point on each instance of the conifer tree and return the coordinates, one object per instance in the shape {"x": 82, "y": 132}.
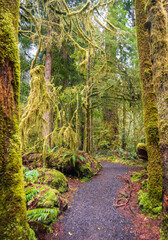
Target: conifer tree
{"x": 157, "y": 28}
{"x": 12, "y": 198}
{"x": 150, "y": 106}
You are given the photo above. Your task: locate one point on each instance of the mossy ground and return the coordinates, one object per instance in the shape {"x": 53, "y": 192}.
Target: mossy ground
{"x": 123, "y": 157}
{"x": 44, "y": 188}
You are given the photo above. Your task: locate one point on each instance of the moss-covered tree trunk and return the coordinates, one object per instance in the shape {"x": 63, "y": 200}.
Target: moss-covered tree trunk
{"x": 48, "y": 67}
{"x": 13, "y": 223}
{"x": 159, "y": 52}
{"x": 123, "y": 140}
{"x": 87, "y": 111}
{"x": 111, "y": 123}
{"x": 150, "y": 106}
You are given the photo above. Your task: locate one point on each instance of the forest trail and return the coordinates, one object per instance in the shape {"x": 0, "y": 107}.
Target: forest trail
{"x": 92, "y": 215}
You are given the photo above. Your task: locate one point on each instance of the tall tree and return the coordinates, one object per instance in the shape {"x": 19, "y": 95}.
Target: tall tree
{"x": 150, "y": 106}
{"x": 12, "y": 198}
{"x": 157, "y": 27}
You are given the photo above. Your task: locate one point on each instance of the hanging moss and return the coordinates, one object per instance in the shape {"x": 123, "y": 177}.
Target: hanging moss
{"x": 150, "y": 106}
{"x": 12, "y": 200}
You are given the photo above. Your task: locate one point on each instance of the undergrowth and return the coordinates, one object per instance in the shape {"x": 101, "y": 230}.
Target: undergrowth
{"x": 147, "y": 208}
{"x": 144, "y": 200}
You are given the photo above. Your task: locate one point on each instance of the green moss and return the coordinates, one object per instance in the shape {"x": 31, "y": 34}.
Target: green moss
{"x": 136, "y": 177}
{"x": 32, "y": 235}
{"x": 115, "y": 159}
{"x": 54, "y": 179}
{"x": 164, "y": 227}
{"x": 85, "y": 179}
{"x": 149, "y": 103}
{"x": 148, "y": 205}
{"x": 48, "y": 198}
{"x": 12, "y": 200}
{"x": 43, "y": 196}
{"x": 141, "y": 146}
{"x": 62, "y": 160}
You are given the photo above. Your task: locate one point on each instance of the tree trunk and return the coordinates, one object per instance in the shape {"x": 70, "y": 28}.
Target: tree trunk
{"x": 159, "y": 50}
{"x": 150, "y": 106}
{"x": 123, "y": 127}
{"x": 87, "y": 111}
{"x": 111, "y": 122}
{"x": 12, "y": 198}
{"x": 47, "y": 115}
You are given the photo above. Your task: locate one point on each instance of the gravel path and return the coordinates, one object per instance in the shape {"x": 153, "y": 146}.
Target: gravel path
{"x": 91, "y": 215}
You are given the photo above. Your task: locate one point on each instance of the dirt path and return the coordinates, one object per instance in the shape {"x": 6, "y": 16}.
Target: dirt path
{"x": 92, "y": 215}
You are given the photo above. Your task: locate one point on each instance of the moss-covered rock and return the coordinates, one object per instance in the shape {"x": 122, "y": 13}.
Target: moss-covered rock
{"x": 51, "y": 177}
{"x": 54, "y": 178}
{"x": 48, "y": 198}
{"x": 33, "y": 160}
{"x": 43, "y": 196}
{"x": 80, "y": 164}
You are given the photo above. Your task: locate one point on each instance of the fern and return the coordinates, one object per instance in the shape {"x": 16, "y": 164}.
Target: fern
{"x": 31, "y": 194}
{"x": 42, "y": 214}
{"x": 81, "y": 158}
{"x": 66, "y": 155}
{"x": 73, "y": 158}
{"x": 31, "y": 176}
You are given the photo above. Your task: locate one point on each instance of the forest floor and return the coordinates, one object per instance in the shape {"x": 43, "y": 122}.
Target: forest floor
{"x": 105, "y": 208}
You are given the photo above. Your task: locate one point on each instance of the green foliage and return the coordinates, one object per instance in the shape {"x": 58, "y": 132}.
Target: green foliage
{"x": 136, "y": 177}
{"x": 123, "y": 159}
{"x": 31, "y": 193}
{"x": 146, "y": 203}
{"x": 42, "y": 215}
{"x": 83, "y": 168}
{"x": 53, "y": 178}
{"x": 31, "y": 176}
{"x": 164, "y": 227}
{"x": 74, "y": 158}
{"x": 85, "y": 179}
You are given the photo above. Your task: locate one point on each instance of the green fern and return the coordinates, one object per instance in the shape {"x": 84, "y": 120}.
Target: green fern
{"x": 83, "y": 159}
{"x": 30, "y": 194}
{"x": 73, "y": 158}
{"x": 42, "y": 215}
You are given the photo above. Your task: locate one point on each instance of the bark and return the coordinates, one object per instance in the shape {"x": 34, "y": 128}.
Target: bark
{"x": 65, "y": 57}
{"x": 111, "y": 122}
{"x": 47, "y": 115}
{"x": 150, "y": 106}
{"x": 123, "y": 127}
{"x": 159, "y": 52}
{"x": 12, "y": 198}
{"x": 87, "y": 112}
